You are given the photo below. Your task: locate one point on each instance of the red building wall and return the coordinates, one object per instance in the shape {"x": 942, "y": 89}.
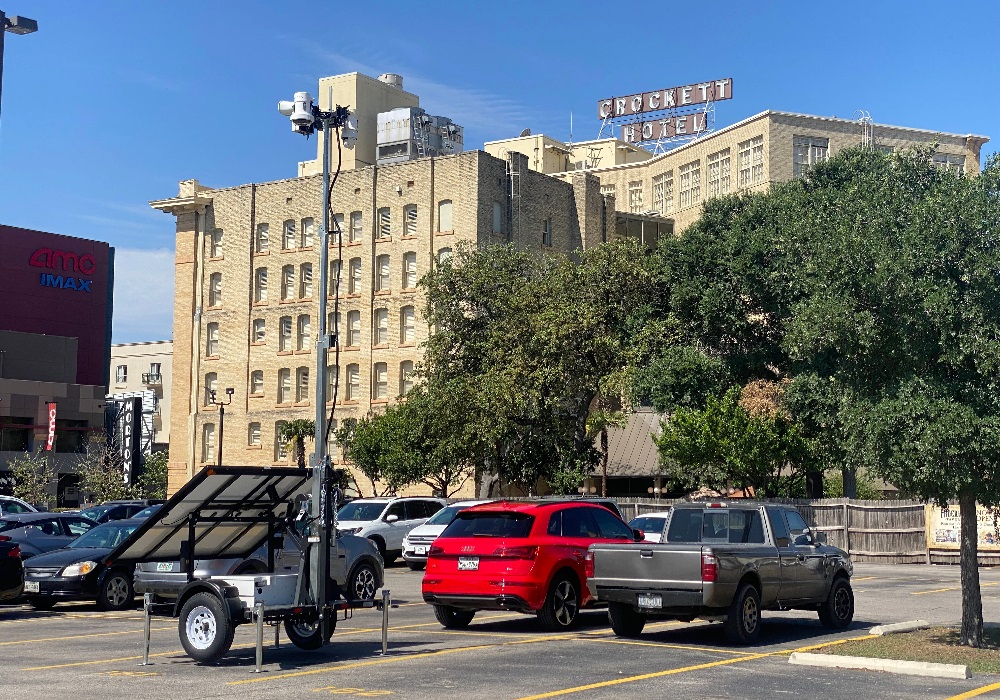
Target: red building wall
{"x": 59, "y": 285}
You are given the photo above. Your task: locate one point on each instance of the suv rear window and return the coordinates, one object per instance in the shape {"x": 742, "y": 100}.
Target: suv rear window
{"x": 359, "y": 510}
{"x": 490, "y": 524}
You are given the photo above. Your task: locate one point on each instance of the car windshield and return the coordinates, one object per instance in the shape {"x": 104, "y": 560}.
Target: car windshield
{"x": 10, "y": 524}
{"x": 95, "y": 513}
{"x": 486, "y": 523}
{"x": 146, "y": 512}
{"x": 359, "y": 510}
{"x": 445, "y": 515}
{"x": 105, "y": 536}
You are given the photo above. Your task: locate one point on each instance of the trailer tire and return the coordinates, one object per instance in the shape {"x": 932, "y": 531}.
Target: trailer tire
{"x": 625, "y": 620}
{"x": 306, "y": 635}
{"x": 205, "y": 630}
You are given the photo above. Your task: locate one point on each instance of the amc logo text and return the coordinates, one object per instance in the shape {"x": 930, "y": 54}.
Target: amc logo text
{"x": 67, "y": 262}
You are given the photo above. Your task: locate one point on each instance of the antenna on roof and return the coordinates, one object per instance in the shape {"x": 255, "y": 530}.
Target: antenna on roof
{"x": 525, "y": 132}
{"x": 864, "y": 118}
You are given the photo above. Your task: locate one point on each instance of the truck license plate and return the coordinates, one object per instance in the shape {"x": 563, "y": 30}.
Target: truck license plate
{"x": 31, "y": 586}
{"x": 650, "y": 601}
{"x": 164, "y": 566}
{"x": 468, "y": 563}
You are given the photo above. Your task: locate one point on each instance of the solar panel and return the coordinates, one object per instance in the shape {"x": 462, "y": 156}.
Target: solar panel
{"x": 229, "y": 511}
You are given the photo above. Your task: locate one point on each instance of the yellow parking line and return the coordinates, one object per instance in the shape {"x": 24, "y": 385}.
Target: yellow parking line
{"x": 123, "y": 658}
{"x": 863, "y": 578}
{"x": 976, "y": 691}
{"x": 80, "y": 636}
{"x": 668, "y": 646}
{"x": 951, "y": 588}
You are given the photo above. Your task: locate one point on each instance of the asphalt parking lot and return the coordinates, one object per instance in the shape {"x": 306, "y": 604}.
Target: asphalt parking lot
{"x": 75, "y": 650}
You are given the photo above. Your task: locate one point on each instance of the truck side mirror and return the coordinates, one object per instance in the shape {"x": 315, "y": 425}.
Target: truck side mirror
{"x": 638, "y": 535}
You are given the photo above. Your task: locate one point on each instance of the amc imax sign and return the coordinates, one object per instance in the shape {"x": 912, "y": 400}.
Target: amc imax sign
{"x": 64, "y": 261}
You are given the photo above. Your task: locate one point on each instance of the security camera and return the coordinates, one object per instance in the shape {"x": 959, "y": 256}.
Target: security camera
{"x": 349, "y": 132}
{"x": 300, "y": 112}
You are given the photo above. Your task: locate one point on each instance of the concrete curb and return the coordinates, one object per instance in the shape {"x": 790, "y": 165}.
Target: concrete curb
{"x": 898, "y": 627}
{"x": 908, "y": 668}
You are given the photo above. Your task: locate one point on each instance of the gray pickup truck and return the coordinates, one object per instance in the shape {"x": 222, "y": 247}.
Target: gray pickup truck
{"x": 723, "y": 561}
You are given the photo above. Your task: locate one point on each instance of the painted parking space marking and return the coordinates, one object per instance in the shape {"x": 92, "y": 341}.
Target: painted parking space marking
{"x": 976, "y": 692}
{"x": 863, "y": 578}
{"x": 685, "y": 647}
{"x": 951, "y": 588}
{"x": 129, "y": 674}
{"x": 81, "y": 636}
{"x": 356, "y": 692}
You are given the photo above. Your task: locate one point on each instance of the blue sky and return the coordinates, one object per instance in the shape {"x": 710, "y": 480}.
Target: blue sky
{"x": 110, "y": 104}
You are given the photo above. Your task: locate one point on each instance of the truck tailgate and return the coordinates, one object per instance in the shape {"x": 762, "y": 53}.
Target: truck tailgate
{"x": 648, "y": 566}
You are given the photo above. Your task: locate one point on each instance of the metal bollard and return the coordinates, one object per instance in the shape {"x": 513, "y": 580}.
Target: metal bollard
{"x": 385, "y": 621}
{"x": 258, "y": 610}
{"x": 147, "y": 614}
{"x": 277, "y": 635}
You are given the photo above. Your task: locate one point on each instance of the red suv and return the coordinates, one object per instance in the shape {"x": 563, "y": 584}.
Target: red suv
{"x": 523, "y": 556}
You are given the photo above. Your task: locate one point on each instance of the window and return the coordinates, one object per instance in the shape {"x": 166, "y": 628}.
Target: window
{"x": 607, "y": 190}
{"x": 357, "y": 226}
{"x": 288, "y": 235}
{"x": 260, "y": 285}
{"x": 121, "y": 374}
{"x": 381, "y": 326}
{"x": 444, "y": 254}
{"x": 410, "y": 220}
{"x": 611, "y": 527}
{"x": 658, "y": 193}
{"x": 284, "y": 385}
{"x": 406, "y": 325}
{"x": 751, "y": 162}
{"x": 354, "y": 329}
{"x": 685, "y": 526}
{"x": 211, "y": 386}
{"x": 946, "y": 161}
{"x": 215, "y": 244}
{"x": 215, "y": 289}
{"x": 405, "y": 377}
{"x": 257, "y": 382}
{"x": 207, "y": 442}
{"x": 212, "y": 340}
{"x": 745, "y": 527}
{"x": 382, "y": 273}
{"x": 333, "y": 325}
{"x": 380, "y": 383}
{"x": 547, "y": 232}
{"x": 690, "y": 187}
{"x": 573, "y": 522}
{"x": 261, "y": 240}
{"x": 259, "y": 332}
{"x": 334, "y": 283}
{"x": 384, "y": 223}
{"x": 309, "y": 231}
{"x": 284, "y": 333}
{"x": 78, "y": 526}
{"x": 409, "y": 270}
{"x": 302, "y": 384}
{"x": 288, "y": 282}
{"x": 332, "y": 375}
{"x": 778, "y": 530}
{"x": 806, "y": 152}
{"x": 353, "y": 383}
{"x": 305, "y": 281}
{"x": 253, "y": 435}
{"x": 304, "y": 327}
{"x": 444, "y": 216}
{"x": 635, "y": 196}
{"x": 154, "y": 368}
{"x": 338, "y": 227}
{"x": 331, "y": 444}
{"x": 498, "y": 217}
{"x": 354, "y": 284}
{"x": 718, "y": 173}
{"x": 797, "y": 528}
{"x": 280, "y": 441}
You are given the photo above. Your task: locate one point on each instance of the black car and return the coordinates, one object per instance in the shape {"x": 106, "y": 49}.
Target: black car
{"x": 11, "y": 571}
{"x": 78, "y": 572}
{"x": 113, "y": 510}
{"x": 38, "y": 533}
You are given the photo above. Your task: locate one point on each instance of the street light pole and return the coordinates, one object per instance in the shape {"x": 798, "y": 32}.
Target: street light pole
{"x": 222, "y": 418}
{"x": 14, "y": 25}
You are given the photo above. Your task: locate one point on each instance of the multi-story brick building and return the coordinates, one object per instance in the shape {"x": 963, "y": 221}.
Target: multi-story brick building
{"x": 144, "y": 370}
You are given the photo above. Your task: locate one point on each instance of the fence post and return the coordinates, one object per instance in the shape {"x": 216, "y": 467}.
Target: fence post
{"x": 847, "y": 528}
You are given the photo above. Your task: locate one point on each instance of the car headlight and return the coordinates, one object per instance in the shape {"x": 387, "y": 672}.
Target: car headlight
{"x": 351, "y": 530}
{"x": 79, "y": 569}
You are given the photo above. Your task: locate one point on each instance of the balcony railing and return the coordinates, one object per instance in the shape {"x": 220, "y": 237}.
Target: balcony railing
{"x": 152, "y": 379}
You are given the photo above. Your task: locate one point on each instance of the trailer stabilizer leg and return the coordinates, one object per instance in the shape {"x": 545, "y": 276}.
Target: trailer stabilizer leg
{"x": 147, "y": 615}
{"x": 258, "y": 612}
{"x": 385, "y": 621}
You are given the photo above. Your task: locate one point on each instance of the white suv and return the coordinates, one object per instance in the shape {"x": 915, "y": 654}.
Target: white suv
{"x": 386, "y": 521}
{"x": 419, "y": 540}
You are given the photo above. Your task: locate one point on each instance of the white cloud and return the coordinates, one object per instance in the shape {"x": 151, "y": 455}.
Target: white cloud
{"x": 144, "y": 295}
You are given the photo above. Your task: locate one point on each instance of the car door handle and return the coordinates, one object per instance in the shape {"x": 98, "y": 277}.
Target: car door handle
{"x": 646, "y": 553}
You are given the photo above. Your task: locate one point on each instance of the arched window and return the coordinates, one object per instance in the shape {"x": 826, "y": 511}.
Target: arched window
{"x": 405, "y": 377}
{"x": 444, "y": 254}
{"x": 407, "y": 325}
{"x": 262, "y": 239}
{"x": 259, "y": 332}
{"x": 332, "y": 375}
{"x": 305, "y": 333}
{"x": 444, "y": 216}
{"x": 381, "y": 325}
{"x": 288, "y": 282}
{"x": 382, "y": 266}
{"x": 257, "y": 382}
{"x": 211, "y": 384}
{"x": 353, "y": 383}
{"x": 384, "y": 223}
{"x": 215, "y": 289}
{"x": 260, "y": 285}
{"x": 302, "y": 384}
{"x": 253, "y": 435}
{"x": 212, "y": 340}
{"x": 305, "y": 281}
{"x": 280, "y": 442}
{"x": 215, "y": 248}
{"x": 288, "y": 235}
{"x": 380, "y": 381}
{"x": 284, "y": 385}
{"x": 354, "y": 329}
{"x": 284, "y": 333}
{"x": 208, "y": 443}
{"x": 410, "y": 220}
{"x": 409, "y": 270}
{"x": 357, "y": 226}
{"x": 354, "y": 284}
{"x": 308, "y": 230}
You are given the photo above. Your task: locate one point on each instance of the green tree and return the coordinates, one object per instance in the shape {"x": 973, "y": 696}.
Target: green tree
{"x": 101, "y": 471}
{"x": 296, "y": 431}
{"x": 32, "y": 476}
{"x": 366, "y": 444}
{"x": 152, "y": 481}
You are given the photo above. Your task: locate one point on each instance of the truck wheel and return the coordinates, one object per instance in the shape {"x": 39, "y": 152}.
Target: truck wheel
{"x": 561, "y": 606}
{"x": 453, "y": 618}
{"x": 116, "y": 592}
{"x": 742, "y": 624}
{"x": 625, "y": 620}
{"x": 206, "y": 633}
{"x": 837, "y": 610}
{"x": 362, "y": 582}
{"x": 306, "y": 635}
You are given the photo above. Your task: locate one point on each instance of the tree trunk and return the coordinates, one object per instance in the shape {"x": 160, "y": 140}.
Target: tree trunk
{"x": 850, "y": 483}
{"x": 972, "y": 600}
{"x": 604, "y": 462}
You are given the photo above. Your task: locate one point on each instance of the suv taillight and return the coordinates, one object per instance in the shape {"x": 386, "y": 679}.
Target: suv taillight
{"x": 709, "y": 568}
{"x": 4, "y": 538}
{"x": 436, "y": 550}
{"x": 588, "y": 565}
{"x": 523, "y": 552}
{"x": 16, "y": 552}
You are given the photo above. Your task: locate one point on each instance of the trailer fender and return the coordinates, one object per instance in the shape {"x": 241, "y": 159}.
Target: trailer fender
{"x": 229, "y": 596}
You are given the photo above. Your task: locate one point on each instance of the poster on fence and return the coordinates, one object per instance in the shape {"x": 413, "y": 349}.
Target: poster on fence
{"x": 944, "y": 527}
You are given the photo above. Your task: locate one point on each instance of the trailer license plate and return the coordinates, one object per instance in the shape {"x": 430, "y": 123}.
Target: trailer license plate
{"x": 468, "y": 563}
{"x": 31, "y": 586}
{"x": 165, "y": 566}
{"x": 650, "y": 601}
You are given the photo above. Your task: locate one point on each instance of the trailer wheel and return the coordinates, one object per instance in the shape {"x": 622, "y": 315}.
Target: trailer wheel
{"x": 306, "y": 635}
{"x": 206, "y": 633}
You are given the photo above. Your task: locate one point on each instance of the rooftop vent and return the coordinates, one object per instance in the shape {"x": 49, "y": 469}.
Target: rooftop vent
{"x": 393, "y": 79}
